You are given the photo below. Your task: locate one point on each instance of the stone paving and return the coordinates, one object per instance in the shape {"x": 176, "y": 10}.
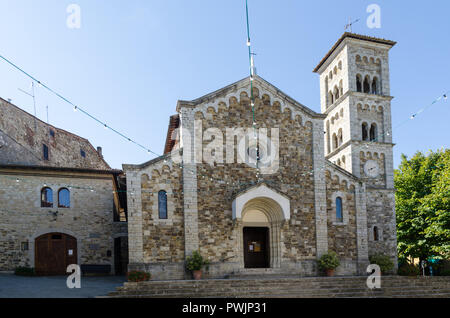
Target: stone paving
{"x": 12, "y": 286}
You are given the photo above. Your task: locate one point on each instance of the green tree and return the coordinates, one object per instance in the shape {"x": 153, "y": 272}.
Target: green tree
{"x": 423, "y": 205}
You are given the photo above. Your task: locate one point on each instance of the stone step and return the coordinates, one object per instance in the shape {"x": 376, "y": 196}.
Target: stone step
{"x": 282, "y": 287}
{"x": 292, "y": 293}
{"x": 392, "y": 286}
{"x": 443, "y": 294}
{"x": 251, "y": 284}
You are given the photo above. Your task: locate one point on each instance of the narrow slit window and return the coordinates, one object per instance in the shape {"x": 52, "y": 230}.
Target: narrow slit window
{"x": 45, "y": 151}
{"x": 162, "y": 205}
{"x": 376, "y": 236}
{"x": 339, "y": 215}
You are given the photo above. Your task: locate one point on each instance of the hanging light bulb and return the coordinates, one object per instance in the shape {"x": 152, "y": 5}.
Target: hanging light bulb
{"x": 106, "y": 127}
{"x": 445, "y": 96}
{"x": 75, "y": 108}
{"x": 248, "y": 42}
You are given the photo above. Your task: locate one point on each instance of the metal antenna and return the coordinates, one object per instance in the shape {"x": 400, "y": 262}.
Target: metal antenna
{"x": 350, "y": 24}
{"x": 34, "y": 102}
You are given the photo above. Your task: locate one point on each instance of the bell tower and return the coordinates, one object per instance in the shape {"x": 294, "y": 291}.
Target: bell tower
{"x": 355, "y": 96}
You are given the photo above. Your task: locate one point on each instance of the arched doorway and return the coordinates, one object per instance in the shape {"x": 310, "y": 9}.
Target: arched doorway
{"x": 267, "y": 209}
{"x": 261, "y": 222}
{"x": 54, "y": 252}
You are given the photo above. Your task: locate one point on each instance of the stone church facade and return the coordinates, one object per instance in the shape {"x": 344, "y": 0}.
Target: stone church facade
{"x": 332, "y": 190}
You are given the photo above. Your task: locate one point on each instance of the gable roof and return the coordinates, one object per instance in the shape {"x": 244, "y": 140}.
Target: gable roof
{"x": 352, "y": 36}
{"x": 241, "y": 83}
{"x": 174, "y": 123}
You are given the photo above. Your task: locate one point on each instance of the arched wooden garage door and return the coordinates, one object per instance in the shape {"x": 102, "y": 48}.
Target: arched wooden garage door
{"x": 54, "y": 252}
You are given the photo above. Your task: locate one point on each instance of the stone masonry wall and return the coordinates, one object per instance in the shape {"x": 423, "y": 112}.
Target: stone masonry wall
{"x": 163, "y": 239}
{"x": 89, "y": 218}
{"x": 22, "y": 133}
{"x": 381, "y": 213}
{"x": 342, "y": 236}
{"x": 219, "y": 184}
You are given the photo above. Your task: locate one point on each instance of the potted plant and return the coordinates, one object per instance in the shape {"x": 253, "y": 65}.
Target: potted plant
{"x": 24, "y": 271}
{"x": 138, "y": 276}
{"x": 384, "y": 261}
{"x": 329, "y": 262}
{"x": 407, "y": 269}
{"x": 195, "y": 264}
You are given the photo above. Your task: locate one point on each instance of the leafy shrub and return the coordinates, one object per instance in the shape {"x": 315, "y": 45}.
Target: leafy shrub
{"x": 445, "y": 272}
{"x": 138, "y": 276}
{"x": 408, "y": 270}
{"x": 24, "y": 271}
{"x": 329, "y": 261}
{"x": 384, "y": 261}
{"x": 442, "y": 268}
{"x": 196, "y": 261}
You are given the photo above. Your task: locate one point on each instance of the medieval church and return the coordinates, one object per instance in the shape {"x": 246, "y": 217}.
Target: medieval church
{"x": 333, "y": 189}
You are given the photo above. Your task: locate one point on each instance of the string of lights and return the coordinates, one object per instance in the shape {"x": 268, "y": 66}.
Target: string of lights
{"x": 306, "y": 173}
{"x": 442, "y": 97}
{"x": 252, "y": 99}
{"x": 76, "y": 107}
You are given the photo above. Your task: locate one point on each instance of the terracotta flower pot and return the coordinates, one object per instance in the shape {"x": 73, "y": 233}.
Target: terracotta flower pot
{"x": 329, "y": 272}
{"x": 197, "y": 274}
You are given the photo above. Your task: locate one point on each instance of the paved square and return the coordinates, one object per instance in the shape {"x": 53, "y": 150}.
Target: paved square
{"x": 12, "y": 286}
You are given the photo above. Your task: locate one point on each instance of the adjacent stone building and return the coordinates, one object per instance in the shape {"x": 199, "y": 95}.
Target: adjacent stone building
{"x": 328, "y": 184}
{"x": 59, "y": 200}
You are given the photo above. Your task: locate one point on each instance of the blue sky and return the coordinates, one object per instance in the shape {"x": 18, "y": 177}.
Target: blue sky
{"x": 131, "y": 61}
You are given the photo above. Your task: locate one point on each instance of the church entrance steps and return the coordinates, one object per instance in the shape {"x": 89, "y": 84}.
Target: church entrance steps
{"x": 320, "y": 287}
{"x": 260, "y": 273}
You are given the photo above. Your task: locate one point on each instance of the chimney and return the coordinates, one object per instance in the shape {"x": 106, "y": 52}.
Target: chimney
{"x": 99, "y": 150}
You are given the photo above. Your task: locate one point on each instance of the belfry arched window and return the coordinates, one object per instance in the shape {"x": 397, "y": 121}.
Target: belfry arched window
{"x": 375, "y": 86}
{"x": 358, "y": 83}
{"x": 46, "y": 198}
{"x": 366, "y": 84}
{"x": 364, "y": 132}
{"x": 162, "y": 204}
{"x": 335, "y": 142}
{"x": 339, "y": 214}
{"x": 336, "y": 93}
{"x": 373, "y": 132}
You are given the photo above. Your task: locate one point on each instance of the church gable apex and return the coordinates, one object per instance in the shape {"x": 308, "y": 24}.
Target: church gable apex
{"x": 223, "y": 95}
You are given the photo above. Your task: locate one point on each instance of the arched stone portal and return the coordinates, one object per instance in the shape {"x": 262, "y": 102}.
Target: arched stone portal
{"x": 260, "y": 210}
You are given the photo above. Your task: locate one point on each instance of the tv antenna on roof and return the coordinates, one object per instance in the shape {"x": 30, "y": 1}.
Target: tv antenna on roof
{"x": 34, "y": 102}
{"x": 350, "y": 24}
